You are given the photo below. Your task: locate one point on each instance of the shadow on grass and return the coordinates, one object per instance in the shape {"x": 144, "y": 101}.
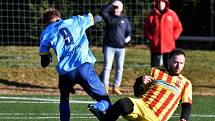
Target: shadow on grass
{"x": 21, "y": 85}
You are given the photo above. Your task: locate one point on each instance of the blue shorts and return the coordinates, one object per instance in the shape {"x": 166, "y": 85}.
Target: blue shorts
{"x": 86, "y": 76}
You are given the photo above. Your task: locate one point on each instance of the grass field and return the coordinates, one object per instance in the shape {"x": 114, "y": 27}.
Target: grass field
{"x": 21, "y": 76}
{"x": 45, "y": 108}
{"x": 20, "y": 69}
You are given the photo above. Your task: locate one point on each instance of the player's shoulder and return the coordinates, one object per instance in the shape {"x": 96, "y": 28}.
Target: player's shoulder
{"x": 48, "y": 32}
{"x": 185, "y": 79}
{"x": 48, "y": 29}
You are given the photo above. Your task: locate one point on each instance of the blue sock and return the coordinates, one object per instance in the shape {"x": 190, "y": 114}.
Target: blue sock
{"x": 64, "y": 111}
{"x": 102, "y": 105}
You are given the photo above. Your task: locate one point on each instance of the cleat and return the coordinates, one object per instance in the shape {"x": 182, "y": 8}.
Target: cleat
{"x": 93, "y": 109}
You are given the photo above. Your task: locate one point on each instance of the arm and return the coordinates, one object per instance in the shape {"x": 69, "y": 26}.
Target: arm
{"x": 106, "y": 11}
{"x": 147, "y": 29}
{"x": 142, "y": 84}
{"x": 97, "y": 19}
{"x": 128, "y": 32}
{"x": 185, "y": 113}
{"x": 177, "y": 27}
{"x": 186, "y": 101}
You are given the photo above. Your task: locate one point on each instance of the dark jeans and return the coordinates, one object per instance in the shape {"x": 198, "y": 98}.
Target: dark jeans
{"x": 157, "y": 59}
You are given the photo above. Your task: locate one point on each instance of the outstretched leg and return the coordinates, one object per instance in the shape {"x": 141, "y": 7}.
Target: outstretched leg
{"x": 91, "y": 83}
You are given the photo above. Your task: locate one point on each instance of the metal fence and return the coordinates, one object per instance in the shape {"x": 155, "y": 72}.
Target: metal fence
{"x": 21, "y": 20}
{"x": 21, "y": 25}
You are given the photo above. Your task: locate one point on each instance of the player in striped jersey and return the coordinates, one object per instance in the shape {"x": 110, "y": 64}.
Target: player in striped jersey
{"x": 158, "y": 94}
{"x": 75, "y": 60}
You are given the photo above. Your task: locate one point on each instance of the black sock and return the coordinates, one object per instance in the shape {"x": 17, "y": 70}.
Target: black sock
{"x": 121, "y": 107}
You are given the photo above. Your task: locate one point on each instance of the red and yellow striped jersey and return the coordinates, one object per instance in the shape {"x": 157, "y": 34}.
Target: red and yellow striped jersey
{"x": 166, "y": 92}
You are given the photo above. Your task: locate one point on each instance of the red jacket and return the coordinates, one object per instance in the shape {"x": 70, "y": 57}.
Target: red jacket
{"x": 162, "y": 30}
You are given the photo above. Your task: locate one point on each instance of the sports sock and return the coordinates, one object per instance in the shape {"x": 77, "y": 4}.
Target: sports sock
{"x": 64, "y": 111}
{"x": 102, "y": 105}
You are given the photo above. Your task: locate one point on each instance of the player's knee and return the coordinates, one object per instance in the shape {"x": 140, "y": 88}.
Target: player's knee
{"x": 125, "y": 105}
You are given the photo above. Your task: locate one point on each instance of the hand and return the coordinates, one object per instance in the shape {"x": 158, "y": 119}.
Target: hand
{"x": 45, "y": 60}
{"x": 97, "y": 18}
{"x": 141, "y": 85}
{"x": 183, "y": 120}
{"x": 147, "y": 79}
{"x": 116, "y": 3}
{"x": 127, "y": 39}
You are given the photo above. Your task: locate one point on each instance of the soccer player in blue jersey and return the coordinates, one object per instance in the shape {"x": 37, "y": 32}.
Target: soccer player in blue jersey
{"x": 75, "y": 60}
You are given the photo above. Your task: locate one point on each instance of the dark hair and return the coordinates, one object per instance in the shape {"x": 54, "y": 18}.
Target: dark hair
{"x": 177, "y": 51}
{"x": 49, "y": 14}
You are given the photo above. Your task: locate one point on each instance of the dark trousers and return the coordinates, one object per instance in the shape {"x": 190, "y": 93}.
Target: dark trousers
{"x": 156, "y": 60}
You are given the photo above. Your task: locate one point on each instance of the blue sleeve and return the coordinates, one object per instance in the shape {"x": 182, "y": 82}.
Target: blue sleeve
{"x": 44, "y": 44}
{"x": 85, "y": 21}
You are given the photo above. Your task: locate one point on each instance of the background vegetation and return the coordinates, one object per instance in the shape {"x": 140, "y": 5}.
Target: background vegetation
{"x": 21, "y": 21}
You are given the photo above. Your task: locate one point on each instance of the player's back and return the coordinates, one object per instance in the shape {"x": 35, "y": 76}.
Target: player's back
{"x": 70, "y": 43}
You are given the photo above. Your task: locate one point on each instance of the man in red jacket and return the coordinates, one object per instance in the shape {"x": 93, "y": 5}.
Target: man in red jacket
{"x": 162, "y": 28}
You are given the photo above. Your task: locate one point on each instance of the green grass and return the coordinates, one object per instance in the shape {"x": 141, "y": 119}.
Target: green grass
{"x": 45, "y": 108}
{"x": 21, "y": 66}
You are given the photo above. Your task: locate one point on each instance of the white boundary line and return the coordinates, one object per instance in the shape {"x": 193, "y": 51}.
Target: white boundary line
{"x": 89, "y": 115}
{"x": 10, "y": 116}
{"x": 43, "y": 114}
{"x": 39, "y": 100}
{"x": 56, "y": 115}
{"x": 198, "y": 115}
{"x": 27, "y": 118}
{"x": 27, "y": 98}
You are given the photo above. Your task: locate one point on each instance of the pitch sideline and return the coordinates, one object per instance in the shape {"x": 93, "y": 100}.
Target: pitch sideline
{"x": 56, "y": 115}
{"x": 40, "y": 100}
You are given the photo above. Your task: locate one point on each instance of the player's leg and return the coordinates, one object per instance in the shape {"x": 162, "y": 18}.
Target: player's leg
{"x": 141, "y": 111}
{"x": 64, "y": 107}
{"x": 108, "y": 61}
{"x": 119, "y": 62}
{"x": 91, "y": 83}
{"x": 123, "y": 106}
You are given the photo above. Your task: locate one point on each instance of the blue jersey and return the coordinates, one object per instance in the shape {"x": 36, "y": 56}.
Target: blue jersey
{"x": 69, "y": 41}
